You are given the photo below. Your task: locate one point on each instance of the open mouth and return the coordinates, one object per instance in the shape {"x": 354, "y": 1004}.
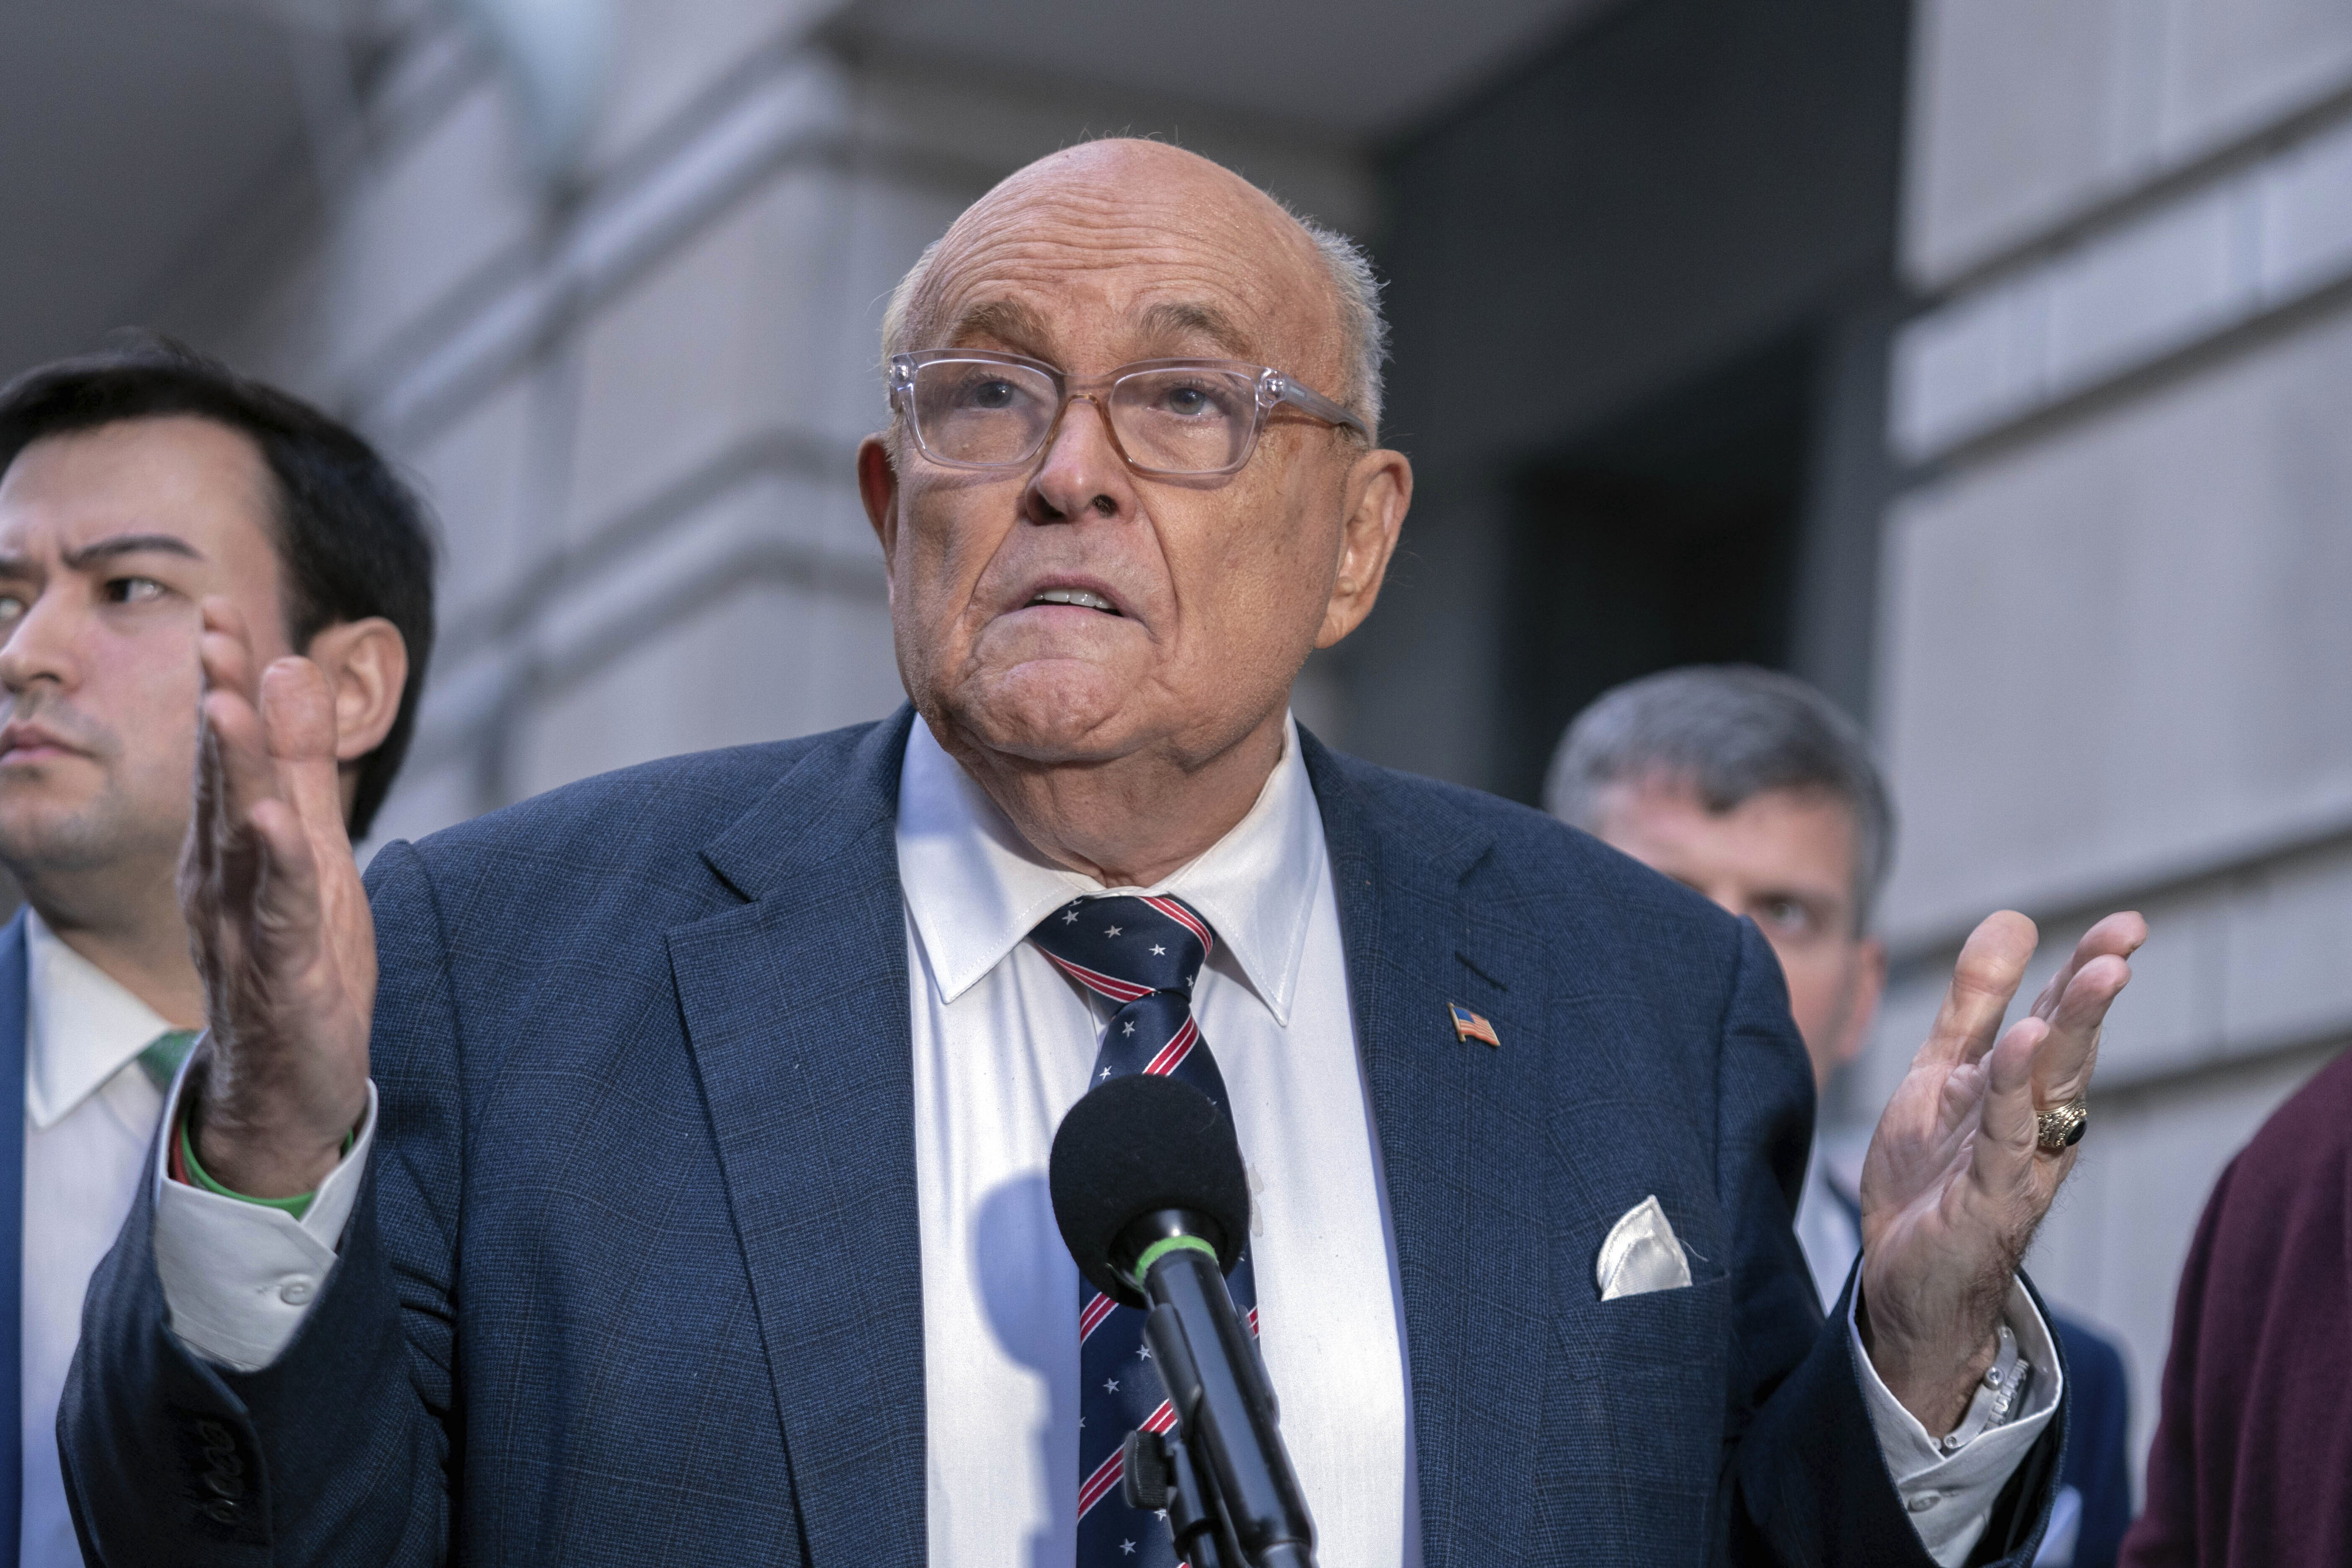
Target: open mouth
{"x": 1078, "y": 598}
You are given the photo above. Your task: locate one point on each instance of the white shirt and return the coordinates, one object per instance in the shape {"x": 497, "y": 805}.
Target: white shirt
{"x": 90, "y": 1113}
{"x": 1004, "y": 1045}
{"x": 1825, "y": 1230}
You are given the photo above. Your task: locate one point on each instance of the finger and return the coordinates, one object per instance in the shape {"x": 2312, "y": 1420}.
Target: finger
{"x": 298, "y": 714}
{"x": 247, "y": 774}
{"x": 2008, "y": 1118}
{"x": 289, "y": 900}
{"x": 226, "y": 649}
{"x": 1991, "y": 963}
{"x": 235, "y": 769}
{"x": 2064, "y": 1066}
{"x": 200, "y": 850}
{"x": 2001, "y": 1160}
{"x": 2118, "y": 936}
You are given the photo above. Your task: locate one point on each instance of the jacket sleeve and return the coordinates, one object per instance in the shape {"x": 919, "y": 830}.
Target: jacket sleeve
{"x": 1804, "y": 1478}
{"x": 340, "y": 1451}
{"x": 2166, "y": 1534}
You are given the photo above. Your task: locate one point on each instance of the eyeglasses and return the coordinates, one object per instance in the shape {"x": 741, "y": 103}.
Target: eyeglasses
{"x": 972, "y": 409}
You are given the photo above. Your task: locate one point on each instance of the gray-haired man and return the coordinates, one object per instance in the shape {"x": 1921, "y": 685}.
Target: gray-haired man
{"x": 1753, "y": 789}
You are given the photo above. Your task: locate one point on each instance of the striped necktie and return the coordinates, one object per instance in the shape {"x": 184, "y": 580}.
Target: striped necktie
{"x": 1142, "y": 955}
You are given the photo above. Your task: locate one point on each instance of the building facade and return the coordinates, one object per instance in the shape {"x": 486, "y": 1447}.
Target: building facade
{"x": 2115, "y": 666}
{"x": 1977, "y": 360}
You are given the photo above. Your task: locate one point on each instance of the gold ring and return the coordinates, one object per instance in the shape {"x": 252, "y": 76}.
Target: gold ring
{"x": 2062, "y": 1126}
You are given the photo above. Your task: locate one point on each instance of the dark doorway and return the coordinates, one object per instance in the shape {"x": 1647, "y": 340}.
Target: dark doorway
{"x": 1590, "y": 257}
{"x": 1668, "y": 536}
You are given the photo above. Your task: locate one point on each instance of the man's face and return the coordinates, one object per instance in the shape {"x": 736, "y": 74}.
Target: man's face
{"x": 109, "y": 538}
{"x": 1785, "y": 857}
{"x": 1217, "y": 587}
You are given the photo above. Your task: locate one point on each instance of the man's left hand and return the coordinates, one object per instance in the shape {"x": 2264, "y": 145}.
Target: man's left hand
{"x": 1956, "y": 1181}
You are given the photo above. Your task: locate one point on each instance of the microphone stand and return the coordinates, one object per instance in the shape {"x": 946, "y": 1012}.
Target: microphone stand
{"x": 1225, "y": 1481}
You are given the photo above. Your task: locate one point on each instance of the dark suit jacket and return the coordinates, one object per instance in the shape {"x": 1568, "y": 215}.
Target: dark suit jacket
{"x": 634, "y": 1275}
{"x": 2098, "y": 1449}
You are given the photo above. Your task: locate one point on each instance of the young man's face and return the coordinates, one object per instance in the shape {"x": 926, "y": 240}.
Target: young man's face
{"x": 108, "y": 539}
{"x": 1785, "y": 857}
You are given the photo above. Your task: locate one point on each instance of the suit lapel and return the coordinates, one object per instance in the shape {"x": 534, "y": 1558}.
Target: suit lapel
{"x": 1463, "y": 1147}
{"x": 795, "y": 1002}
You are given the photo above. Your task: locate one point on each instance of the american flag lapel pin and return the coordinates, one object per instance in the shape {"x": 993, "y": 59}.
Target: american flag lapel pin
{"x": 1468, "y": 1026}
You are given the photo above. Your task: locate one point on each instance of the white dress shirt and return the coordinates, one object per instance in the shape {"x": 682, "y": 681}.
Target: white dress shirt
{"x": 90, "y": 1113}
{"x": 1004, "y": 1045}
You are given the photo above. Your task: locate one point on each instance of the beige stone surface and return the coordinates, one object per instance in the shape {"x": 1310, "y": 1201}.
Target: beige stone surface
{"x": 2110, "y": 659}
{"x": 477, "y": 476}
{"x": 429, "y": 215}
{"x": 668, "y": 57}
{"x": 2235, "y": 66}
{"x": 2020, "y": 114}
{"x": 735, "y": 332}
{"x": 2025, "y": 113}
{"x": 762, "y": 663}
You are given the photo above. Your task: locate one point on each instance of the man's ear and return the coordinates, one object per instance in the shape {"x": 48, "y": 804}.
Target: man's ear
{"x": 366, "y": 666}
{"x": 878, "y": 487}
{"x": 1379, "y": 491}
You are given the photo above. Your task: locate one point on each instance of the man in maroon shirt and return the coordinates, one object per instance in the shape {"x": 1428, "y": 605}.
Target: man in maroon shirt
{"x": 2252, "y": 1461}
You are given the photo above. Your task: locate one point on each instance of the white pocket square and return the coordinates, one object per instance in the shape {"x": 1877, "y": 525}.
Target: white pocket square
{"x": 1641, "y": 1254}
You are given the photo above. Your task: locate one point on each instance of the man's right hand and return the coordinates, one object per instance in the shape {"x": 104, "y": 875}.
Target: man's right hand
{"x": 280, "y": 922}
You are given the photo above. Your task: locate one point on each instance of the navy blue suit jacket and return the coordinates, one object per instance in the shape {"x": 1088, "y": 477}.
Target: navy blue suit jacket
{"x": 634, "y": 1274}
{"x": 2098, "y": 1450}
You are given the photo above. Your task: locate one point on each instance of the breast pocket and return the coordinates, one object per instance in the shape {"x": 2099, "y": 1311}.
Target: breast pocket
{"x": 1671, "y": 1338}
{"x": 1638, "y": 1402}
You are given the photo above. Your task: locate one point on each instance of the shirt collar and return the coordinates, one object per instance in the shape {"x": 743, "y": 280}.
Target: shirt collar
{"x": 81, "y": 1027}
{"x": 975, "y": 889}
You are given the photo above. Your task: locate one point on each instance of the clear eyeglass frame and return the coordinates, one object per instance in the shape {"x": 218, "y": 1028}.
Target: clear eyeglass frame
{"x": 1272, "y": 388}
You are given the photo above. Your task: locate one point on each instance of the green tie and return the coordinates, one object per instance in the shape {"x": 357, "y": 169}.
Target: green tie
{"x": 162, "y": 1058}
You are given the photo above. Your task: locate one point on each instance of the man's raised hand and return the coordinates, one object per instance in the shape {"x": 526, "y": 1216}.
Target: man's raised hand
{"x": 1954, "y": 1182}
{"x": 279, "y": 923}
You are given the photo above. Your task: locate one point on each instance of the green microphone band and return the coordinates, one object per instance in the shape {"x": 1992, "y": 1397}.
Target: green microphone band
{"x": 1166, "y": 1245}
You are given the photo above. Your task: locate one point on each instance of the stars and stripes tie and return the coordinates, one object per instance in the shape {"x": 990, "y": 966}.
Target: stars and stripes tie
{"x": 1142, "y": 954}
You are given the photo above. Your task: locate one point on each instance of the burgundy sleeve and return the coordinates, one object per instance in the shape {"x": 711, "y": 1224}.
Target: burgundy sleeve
{"x": 2164, "y": 1535}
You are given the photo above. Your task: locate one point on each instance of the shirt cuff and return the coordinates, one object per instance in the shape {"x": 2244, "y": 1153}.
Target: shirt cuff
{"x": 1948, "y": 1487}
{"x": 238, "y": 1278}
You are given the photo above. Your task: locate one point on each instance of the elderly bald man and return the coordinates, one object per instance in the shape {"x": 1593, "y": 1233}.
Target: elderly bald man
{"x": 655, "y": 1172}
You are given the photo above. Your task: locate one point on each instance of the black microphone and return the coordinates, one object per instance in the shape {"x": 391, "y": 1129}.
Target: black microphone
{"x": 1153, "y": 1203}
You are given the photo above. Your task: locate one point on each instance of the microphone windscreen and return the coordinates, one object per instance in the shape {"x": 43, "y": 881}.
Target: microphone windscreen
{"x": 1134, "y": 1146}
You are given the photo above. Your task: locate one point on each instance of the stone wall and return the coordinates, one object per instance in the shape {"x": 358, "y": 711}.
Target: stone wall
{"x": 635, "y": 403}
{"x": 2114, "y": 659}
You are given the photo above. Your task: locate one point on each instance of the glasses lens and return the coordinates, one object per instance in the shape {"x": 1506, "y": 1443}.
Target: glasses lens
{"x": 976, "y": 411}
{"x": 1184, "y": 421}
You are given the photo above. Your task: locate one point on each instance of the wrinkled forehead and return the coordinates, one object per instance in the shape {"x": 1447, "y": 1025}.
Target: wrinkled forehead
{"x": 1088, "y": 271}
{"x": 175, "y": 475}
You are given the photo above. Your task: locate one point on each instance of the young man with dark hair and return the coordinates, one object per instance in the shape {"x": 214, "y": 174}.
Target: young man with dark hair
{"x": 1751, "y": 789}
{"x": 135, "y": 484}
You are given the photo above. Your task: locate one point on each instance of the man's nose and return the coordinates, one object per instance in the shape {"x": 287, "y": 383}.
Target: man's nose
{"x": 1083, "y": 474}
{"x": 40, "y": 646}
